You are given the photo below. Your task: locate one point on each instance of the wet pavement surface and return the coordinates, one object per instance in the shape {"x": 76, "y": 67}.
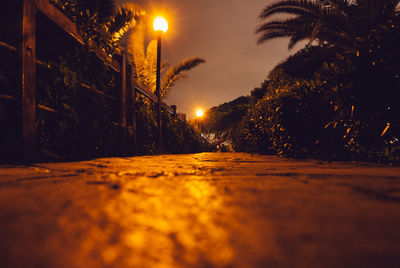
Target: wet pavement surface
{"x": 201, "y": 210}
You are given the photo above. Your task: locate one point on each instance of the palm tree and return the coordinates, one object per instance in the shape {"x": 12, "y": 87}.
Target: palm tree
{"x": 145, "y": 62}
{"x": 333, "y": 22}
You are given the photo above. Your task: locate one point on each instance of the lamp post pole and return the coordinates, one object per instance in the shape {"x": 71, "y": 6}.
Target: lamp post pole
{"x": 160, "y": 26}
{"x": 158, "y": 89}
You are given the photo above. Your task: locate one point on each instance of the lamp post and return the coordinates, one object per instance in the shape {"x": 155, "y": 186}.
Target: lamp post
{"x": 160, "y": 26}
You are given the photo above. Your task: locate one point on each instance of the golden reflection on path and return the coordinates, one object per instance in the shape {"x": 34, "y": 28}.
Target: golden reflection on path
{"x": 170, "y": 222}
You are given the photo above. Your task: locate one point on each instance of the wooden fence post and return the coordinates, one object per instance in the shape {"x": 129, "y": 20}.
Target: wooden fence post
{"x": 123, "y": 103}
{"x": 123, "y": 90}
{"x": 27, "y": 50}
{"x": 134, "y": 129}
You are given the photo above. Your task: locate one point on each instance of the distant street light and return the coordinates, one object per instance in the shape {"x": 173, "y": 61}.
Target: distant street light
{"x": 199, "y": 119}
{"x": 199, "y": 113}
{"x": 160, "y": 26}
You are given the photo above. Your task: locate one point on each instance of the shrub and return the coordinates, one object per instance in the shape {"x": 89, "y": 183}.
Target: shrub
{"x": 333, "y": 111}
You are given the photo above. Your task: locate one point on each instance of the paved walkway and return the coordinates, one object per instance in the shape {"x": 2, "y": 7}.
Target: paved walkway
{"x": 202, "y": 210}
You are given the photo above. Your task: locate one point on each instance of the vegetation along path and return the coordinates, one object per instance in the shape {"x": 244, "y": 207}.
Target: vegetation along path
{"x": 201, "y": 210}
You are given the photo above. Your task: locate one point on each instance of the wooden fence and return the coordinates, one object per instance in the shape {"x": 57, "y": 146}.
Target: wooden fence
{"x": 23, "y": 42}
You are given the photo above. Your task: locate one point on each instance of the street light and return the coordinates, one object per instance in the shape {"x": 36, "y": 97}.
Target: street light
{"x": 160, "y": 26}
{"x": 199, "y": 119}
{"x": 199, "y": 113}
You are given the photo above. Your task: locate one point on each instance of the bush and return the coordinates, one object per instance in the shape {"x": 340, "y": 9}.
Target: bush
{"x": 338, "y": 110}
{"x": 182, "y": 137}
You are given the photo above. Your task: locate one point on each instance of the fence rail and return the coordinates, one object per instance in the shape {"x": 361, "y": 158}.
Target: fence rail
{"x": 26, "y": 50}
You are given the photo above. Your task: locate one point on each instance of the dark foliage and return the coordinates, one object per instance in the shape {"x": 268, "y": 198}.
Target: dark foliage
{"x": 259, "y": 92}
{"x": 345, "y": 107}
{"x": 181, "y": 137}
{"x": 220, "y": 121}
{"x": 224, "y": 122}
{"x": 338, "y": 99}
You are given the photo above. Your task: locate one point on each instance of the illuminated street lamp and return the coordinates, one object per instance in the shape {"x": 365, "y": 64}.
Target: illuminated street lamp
{"x": 199, "y": 119}
{"x": 160, "y": 26}
{"x": 199, "y": 113}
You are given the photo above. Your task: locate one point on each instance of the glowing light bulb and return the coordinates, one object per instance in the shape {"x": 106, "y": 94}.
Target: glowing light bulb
{"x": 199, "y": 113}
{"x": 160, "y": 24}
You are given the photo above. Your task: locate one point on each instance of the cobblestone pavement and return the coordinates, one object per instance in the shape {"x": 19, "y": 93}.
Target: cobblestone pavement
{"x": 201, "y": 210}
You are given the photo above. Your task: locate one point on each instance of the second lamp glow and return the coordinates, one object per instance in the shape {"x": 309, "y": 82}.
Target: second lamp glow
{"x": 199, "y": 113}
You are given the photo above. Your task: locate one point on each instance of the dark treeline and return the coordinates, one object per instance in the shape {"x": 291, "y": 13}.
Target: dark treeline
{"x": 338, "y": 98}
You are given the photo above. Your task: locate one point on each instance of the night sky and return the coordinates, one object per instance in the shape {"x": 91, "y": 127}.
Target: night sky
{"x": 221, "y": 32}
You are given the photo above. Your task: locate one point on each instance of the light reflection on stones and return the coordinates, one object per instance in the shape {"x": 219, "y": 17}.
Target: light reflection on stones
{"x": 169, "y": 231}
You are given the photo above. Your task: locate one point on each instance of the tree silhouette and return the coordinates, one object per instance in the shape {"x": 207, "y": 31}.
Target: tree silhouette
{"x": 334, "y": 22}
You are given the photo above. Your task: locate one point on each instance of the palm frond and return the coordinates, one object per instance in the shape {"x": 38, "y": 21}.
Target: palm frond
{"x": 151, "y": 65}
{"x": 335, "y": 22}
{"x": 125, "y": 18}
{"x": 136, "y": 48}
{"x": 286, "y": 28}
{"x": 327, "y": 26}
{"x": 293, "y": 7}
{"x": 176, "y": 73}
{"x": 391, "y": 8}
{"x": 122, "y": 21}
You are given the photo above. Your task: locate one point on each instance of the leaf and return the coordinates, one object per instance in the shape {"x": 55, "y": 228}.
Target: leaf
{"x": 327, "y": 125}
{"x": 386, "y": 129}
